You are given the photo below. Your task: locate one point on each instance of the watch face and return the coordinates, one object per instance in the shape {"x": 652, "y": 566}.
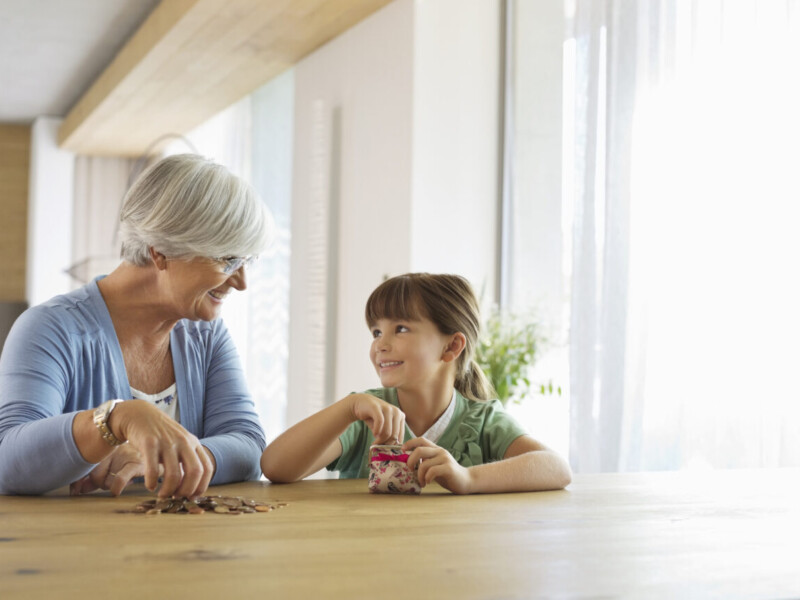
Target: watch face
{"x": 101, "y": 411}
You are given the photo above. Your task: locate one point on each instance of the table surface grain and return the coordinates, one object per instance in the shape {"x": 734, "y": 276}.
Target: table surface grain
{"x": 724, "y": 534}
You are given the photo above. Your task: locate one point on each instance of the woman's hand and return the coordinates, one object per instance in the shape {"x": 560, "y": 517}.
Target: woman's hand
{"x": 163, "y": 447}
{"x": 386, "y": 421}
{"x": 113, "y": 473}
{"x": 437, "y": 464}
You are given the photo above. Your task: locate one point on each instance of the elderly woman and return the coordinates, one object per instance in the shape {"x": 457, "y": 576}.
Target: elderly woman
{"x": 134, "y": 374}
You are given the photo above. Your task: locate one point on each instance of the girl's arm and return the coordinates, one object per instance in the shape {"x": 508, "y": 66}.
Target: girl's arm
{"x": 528, "y": 466}
{"x": 313, "y": 443}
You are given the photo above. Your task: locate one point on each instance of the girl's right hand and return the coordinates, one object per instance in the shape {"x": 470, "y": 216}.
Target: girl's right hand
{"x": 386, "y": 421}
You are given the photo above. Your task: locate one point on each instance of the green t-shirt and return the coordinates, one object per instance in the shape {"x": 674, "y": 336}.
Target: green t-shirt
{"x": 479, "y": 432}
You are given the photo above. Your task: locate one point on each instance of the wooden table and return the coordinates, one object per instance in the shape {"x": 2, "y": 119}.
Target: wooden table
{"x": 728, "y": 534}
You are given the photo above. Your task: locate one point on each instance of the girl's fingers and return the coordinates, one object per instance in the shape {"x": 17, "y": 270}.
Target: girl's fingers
{"x": 434, "y": 472}
{"x": 396, "y": 432}
{"x": 418, "y": 442}
{"x": 400, "y": 429}
{"x": 421, "y": 453}
{"x": 377, "y": 426}
{"x": 428, "y": 458}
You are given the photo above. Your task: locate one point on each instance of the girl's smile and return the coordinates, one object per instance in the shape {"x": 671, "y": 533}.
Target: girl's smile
{"x": 389, "y": 364}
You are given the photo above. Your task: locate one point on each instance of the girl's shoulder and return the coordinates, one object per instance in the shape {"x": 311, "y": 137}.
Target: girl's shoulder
{"x": 479, "y": 408}
{"x": 480, "y": 431}
{"x": 386, "y": 394}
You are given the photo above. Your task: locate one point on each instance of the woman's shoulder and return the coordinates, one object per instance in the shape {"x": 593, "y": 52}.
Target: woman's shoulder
{"x": 203, "y": 339}
{"x": 73, "y": 313}
{"x": 189, "y": 328}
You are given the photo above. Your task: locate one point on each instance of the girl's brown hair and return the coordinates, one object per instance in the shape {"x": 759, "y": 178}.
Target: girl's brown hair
{"x": 450, "y": 303}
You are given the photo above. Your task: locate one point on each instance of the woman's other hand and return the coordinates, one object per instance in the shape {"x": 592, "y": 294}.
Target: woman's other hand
{"x": 113, "y": 473}
{"x": 386, "y": 421}
{"x": 437, "y": 464}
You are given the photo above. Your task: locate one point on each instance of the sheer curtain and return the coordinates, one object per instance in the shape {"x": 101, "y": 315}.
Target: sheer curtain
{"x": 684, "y": 194}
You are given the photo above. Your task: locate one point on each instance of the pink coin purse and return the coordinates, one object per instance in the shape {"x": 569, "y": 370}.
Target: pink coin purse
{"x": 389, "y": 472}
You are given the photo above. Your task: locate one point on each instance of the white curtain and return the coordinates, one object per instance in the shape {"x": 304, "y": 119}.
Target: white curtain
{"x": 685, "y": 198}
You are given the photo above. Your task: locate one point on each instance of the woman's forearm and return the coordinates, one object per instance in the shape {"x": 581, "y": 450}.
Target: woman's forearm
{"x": 299, "y": 449}
{"x": 533, "y": 471}
{"x": 40, "y": 456}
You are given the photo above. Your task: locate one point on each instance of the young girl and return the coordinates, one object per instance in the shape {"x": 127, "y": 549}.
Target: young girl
{"x": 434, "y": 398}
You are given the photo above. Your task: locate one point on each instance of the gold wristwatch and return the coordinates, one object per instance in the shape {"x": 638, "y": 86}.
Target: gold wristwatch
{"x": 101, "y": 414}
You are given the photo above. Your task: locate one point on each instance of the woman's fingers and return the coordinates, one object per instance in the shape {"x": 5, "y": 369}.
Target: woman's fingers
{"x": 150, "y": 459}
{"x": 193, "y": 470}
{"x": 163, "y": 444}
{"x": 121, "y": 478}
{"x": 172, "y": 472}
{"x": 84, "y": 485}
{"x": 208, "y": 471}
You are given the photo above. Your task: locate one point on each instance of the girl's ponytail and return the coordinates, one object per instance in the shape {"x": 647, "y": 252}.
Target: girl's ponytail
{"x": 474, "y": 384}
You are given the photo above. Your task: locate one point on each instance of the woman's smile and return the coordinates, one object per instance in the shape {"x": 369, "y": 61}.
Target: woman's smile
{"x": 217, "y": 296}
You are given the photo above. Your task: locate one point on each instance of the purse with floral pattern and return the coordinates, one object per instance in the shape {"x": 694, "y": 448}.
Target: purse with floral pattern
{"x": 389, "y": 471}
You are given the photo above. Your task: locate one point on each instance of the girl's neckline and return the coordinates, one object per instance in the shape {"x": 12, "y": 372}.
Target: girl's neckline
{"x": 435, "y": 431}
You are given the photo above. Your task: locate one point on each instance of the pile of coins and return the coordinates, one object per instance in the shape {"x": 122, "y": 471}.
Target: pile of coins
{"x": 226, "y": 505}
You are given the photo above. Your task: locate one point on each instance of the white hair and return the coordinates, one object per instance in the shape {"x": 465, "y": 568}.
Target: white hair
{"x": 186, "y": 206}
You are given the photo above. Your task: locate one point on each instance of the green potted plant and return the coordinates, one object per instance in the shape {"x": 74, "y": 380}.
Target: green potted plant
{"x": 510, "y": 346}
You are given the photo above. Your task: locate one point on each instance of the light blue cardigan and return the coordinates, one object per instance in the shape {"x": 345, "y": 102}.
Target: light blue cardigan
{"x": 62, "y": 357}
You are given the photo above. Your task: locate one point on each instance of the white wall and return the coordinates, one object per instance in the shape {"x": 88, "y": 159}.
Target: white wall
{"x": 351, "y": 158}
{"x": 455, "y": 146}
{"x": 49, "y": 214}
{"x": 536, "y": 235}
{"x": 395, "y": 169}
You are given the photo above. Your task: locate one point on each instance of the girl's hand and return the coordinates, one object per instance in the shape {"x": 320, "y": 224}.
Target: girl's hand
{"x": 386, "y": 421}
{"x": 113, "y": 473}
{"x": 437, "y": 464}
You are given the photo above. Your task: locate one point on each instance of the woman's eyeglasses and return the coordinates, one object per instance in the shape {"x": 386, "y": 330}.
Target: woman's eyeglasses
{"x": 231, "y": 264}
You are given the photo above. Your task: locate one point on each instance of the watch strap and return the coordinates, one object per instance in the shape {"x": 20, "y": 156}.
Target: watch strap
{"x": 101, "y": 415}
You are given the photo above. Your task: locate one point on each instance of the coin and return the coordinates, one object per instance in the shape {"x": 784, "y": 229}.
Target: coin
{"x": 223, "y": 505}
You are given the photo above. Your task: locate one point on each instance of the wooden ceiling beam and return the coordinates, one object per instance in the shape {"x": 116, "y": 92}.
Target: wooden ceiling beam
{"x": 191, "y": 59}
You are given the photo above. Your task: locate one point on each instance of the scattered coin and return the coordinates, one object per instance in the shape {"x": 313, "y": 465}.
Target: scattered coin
{"x": 225, "y": 505}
